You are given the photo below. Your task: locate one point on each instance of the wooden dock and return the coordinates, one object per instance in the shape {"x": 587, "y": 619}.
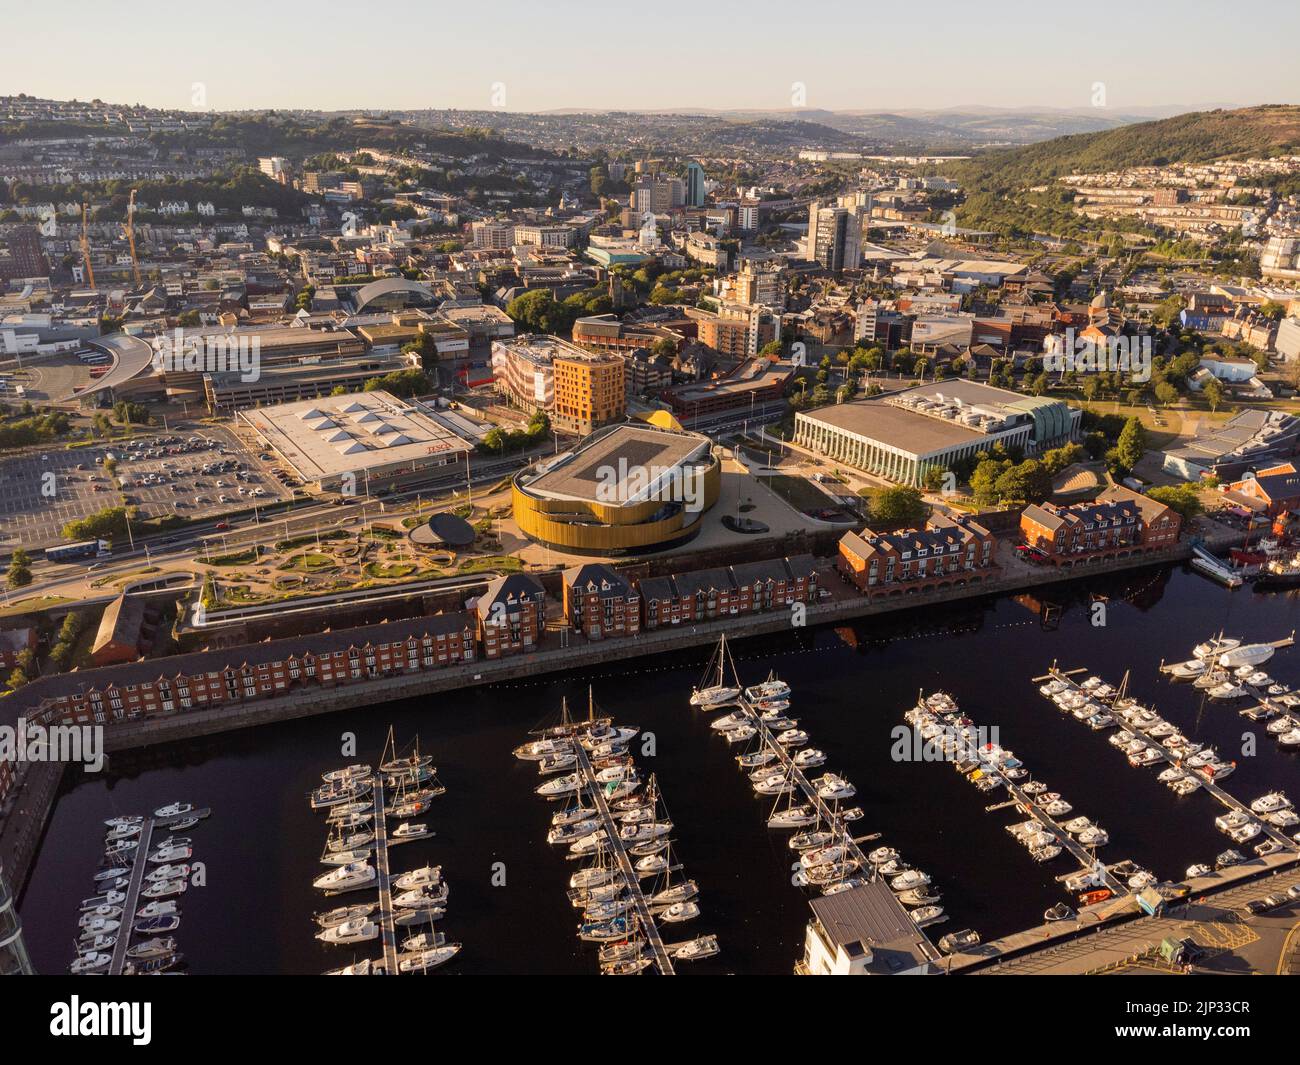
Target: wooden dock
{"x": 649, "y": 927}
{"x": 138, "y": 869}
{"x": 387, "y": 931}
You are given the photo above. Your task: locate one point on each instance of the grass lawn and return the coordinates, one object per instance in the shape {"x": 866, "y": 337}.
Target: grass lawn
{"x": 497, "y": 563}
{"x": 799, "y": 492}
{"x": 1158, "y": 436}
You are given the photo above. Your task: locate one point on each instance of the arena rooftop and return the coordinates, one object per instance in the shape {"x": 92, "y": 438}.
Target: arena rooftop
{"x": 368, "y": 434}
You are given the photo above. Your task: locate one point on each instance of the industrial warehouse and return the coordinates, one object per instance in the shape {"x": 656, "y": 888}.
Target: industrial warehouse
{"x": 625, "y": 490}
{"x": 904, "y": 436}
{"x": 342, "y": 443}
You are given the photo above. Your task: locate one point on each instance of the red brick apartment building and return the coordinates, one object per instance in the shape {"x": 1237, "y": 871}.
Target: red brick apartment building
{"x": 751, "y": 588}
{"x": 598, "y": 602}
{"x": 163, "y": 686}
{"x": 1115, "y": 525}
{"x": 511, "y": 615}
{"x": 883, "y": 565}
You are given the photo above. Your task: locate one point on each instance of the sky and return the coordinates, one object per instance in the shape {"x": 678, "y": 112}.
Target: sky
{"x": 539, "y": 55}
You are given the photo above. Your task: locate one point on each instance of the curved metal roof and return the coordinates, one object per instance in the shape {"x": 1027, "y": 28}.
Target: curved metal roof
{"x": 376, "y": 289}
{"x": 131, "y": 357}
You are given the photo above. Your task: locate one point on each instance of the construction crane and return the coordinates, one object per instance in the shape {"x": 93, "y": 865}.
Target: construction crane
{"x": 85, "y": 245}
{"x": 130, "y": 236}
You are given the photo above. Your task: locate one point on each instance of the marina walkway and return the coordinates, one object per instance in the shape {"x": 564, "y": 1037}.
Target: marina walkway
{"x": 649, "y": 927}
{"x": 138, "y": 869}
{"x": 387, "y": 932}
{"x": 1206, "y": 784}
{"x": 831, "y": 817}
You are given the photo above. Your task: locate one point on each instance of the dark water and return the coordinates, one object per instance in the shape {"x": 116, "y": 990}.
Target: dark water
{"x": 851, "y": 686}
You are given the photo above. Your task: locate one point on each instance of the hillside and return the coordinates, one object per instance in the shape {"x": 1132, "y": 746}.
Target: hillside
{"x": 1197, "y": 137}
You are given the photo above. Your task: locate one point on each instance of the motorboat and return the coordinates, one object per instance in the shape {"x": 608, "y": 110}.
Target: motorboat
{"x": 158, "y": 908}
{"x": 171, "y": 854}
{"x": 922, "y": 896}
{"x": 913, "y": 878}
{"x": 1059, "y": 912}
{"x": 536, "y": 750}
{"x": 168, "y": 872}
{"x": 695, "y": 949}
{"x": 645, "y": 831}
{"x": 756, "y": 759}
{"x": 364, "y": 967}
{"x": 732, "y": 720}
{"x": 1187, "y": 670}
{"x": 125, "y": 819}
{"x": 357, "y": 930}
{"x": 832, "y": 786}
{"x": 650, "y": 865}
{"x": 164, "y": 889}
{"x": 99, "y": 926}
{"x": 1228, "y": 859}
{"x": 775, "y": 784}
{"x": 1139, "y": 881}
{"x": 407, "y": 831}
{"x": 152, "y": 948}
{"x": 1211, "y": 649}
{"x": 958, "y": 941}
{"x": 350, "y": 877}
{"x": 429, "y": 874}
{"x": 357, "y": 854}
{"x": 573, "y": 814}
{"x": 1093, "y": 837}
{"x": 422, "y": 897}
{"x": 559, "y": 787}
{"x": 345, "y": 913}
{"x": 1250, "y": 654}
{"x": 413, "y": 915}
{"x": 109, "y": 898}
{"x": 90, "y": 963}
{"x": 175, "y": 809}
{"x": 104, "y": 911}
{"x": 1227, "y": 690}
{"x": 99, "y": 943}
{"x": 680, "y": 911}
{"x": 1194, "y": 871}
{"x": 768, "y": 689}
{"x": 1267, "y": 804}
{"x": 166, "y": 922}
{"x": 792, "y": 738}
{"x": 740, "y": 734}
{"x": 1045, "y": 852}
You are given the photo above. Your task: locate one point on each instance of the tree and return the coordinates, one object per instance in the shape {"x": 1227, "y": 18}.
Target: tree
{"x": 1166, "y": 394}
{"x": 899, "y": 504}
{"x": 20, "y": 569}
{"x": 1184, "y": 498}
{"x": 1213, "y": 392}
{"x": 1132, "y": 444}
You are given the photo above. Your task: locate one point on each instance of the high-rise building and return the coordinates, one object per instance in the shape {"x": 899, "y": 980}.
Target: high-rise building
{"x": 276, "y": 167}
{"x": 834, "y": 237}
{"x": 13, "y": 951}
{"x": 694, "y": 184}
{"x": 652, "y": 193}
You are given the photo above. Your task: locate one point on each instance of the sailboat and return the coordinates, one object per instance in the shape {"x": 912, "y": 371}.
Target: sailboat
{"x": 718, "y": 693}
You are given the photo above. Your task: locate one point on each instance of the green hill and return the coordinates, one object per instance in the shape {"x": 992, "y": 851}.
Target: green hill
{"x": 996, "y": 184}
{"x": 1197, "y": 137}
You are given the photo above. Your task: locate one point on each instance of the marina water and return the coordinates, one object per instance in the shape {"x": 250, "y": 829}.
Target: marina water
{"x": 851, "y": 686}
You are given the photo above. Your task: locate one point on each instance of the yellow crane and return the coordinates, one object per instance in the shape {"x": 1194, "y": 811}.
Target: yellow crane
{"x": 85, "y": 245}
{"x": 130, "y": 236}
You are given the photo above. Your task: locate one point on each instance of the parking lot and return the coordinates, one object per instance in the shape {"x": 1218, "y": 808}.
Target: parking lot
{"x": 199, "y": 474}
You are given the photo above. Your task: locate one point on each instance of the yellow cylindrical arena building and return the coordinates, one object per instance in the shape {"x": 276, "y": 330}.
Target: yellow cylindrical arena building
{"x": 628, "y": 489}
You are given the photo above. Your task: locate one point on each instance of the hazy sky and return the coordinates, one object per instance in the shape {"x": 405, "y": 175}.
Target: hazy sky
{"x": 534, "y": 55}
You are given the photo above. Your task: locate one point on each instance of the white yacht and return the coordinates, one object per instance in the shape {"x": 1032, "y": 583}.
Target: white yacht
{"x": 429, "y": 874}
{"x": 350, "y": 877}
{"x": 809, "y": 758}
{"x": 680, "y": 911}
{"x": 423, "y": 898}
{"x": 1267, "y": 804}
{"x": 175, "y": 809}
{"x": 359, "y": 930}
{"x": 1250, "y": 654}
{"x": 422, "y": 961}
{"x": 832, "y": 786}
{"x": 792, "y": 738}
{"x": 913, "y": 878}
{"x": 1213, "y": 648}
{"x": 715, "y": 696}
{"x": 795, "y": 817}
